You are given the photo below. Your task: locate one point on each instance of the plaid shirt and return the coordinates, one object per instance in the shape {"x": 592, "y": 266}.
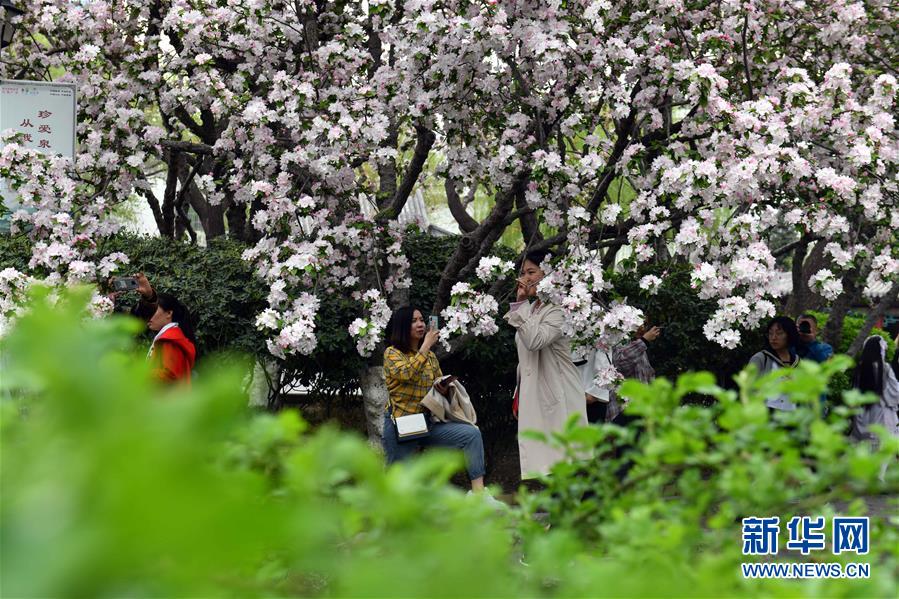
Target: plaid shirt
{"x": 409, "y": 377}
{"x": 631, "y": 361}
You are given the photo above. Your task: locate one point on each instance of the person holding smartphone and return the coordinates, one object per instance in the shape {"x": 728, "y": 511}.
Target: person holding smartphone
{"x": 173, "y": 351}
{"x": 410, "y": 369}
{"x": 808, "y": 347}
{"x": 146, "y": 303}
{"x": 632, "y": 362}
{"x": 548, "y": 389}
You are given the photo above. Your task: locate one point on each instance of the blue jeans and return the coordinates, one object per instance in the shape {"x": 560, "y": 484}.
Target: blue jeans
{"x": 443, "y": 434}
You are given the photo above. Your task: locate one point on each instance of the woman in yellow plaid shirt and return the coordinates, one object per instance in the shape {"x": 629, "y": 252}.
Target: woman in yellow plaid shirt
{"x": 410, "y": 369}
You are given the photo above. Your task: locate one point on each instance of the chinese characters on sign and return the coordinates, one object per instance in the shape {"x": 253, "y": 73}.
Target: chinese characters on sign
{"x": 806, "y": 534}
{"x": 44, "y": 114}
{"x": 27, "y": 125}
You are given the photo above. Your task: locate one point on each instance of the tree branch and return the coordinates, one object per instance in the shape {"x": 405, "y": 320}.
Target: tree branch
{"x": 168, "y": 199}
{"x": 186, "y": 146}
{"x": 530, "y": 228}
{"x": 154, "y": 208}
{"x": 183, "y": 220}
{"x": 473, "y": 245}
{"x": 804, "y": 240}
{"x": 467, "y": 224}
{"x": 423, "y": 145}
{"x": 746, "y": 56}
{"x": 890, "y": 299}
{"x": 623, "y": 130}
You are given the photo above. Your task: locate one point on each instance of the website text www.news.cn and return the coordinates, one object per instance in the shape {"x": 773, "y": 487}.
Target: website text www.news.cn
{"x": 806, "y": 570}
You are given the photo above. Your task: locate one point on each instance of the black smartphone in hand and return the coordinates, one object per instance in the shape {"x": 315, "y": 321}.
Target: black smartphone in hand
{"x": 124, "y": 283}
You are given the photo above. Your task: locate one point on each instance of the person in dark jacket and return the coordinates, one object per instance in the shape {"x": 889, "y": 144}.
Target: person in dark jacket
{"x": 809, "y": 348}
{"x": 173, "y": 350}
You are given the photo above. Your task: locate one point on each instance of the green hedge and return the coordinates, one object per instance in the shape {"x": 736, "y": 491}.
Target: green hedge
{"x": 225, "y": 297}
{"x": 14, "y": 252}
{"x": 223, "y": 294}
{"x": 213, "y": 282}
{"x": 216, "y": 285}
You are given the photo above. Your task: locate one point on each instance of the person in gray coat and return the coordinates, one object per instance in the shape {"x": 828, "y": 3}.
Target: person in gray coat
{"x": 549, "y": 384}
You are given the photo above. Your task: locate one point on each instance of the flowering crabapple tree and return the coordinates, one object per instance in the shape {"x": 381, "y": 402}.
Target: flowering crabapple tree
{"x": 750, "y": 138}
{"x": 66, "y": 218}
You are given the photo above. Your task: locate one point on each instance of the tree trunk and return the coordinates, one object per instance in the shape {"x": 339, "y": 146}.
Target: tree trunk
{"x": 806, "y": 298}
{"x": 261, "y": 382}
{"x": 833, "y": 330}
{"x": 795, "y": 303}
{"x": 212, "y": 218}
{"x": 891, "y": 297}
{"x": 374, "y": 398}
{"x": 173, "y": 160}
{"x": 530, "y": 227}
{"x": 236, "y": 213}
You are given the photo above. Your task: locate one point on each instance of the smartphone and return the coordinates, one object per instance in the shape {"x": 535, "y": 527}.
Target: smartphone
{"x": 434, "y": 322}
{"x": 124, "y": 283}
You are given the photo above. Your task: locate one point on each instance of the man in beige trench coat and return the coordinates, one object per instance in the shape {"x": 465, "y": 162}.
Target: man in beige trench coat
{"x": 549, "y": 385}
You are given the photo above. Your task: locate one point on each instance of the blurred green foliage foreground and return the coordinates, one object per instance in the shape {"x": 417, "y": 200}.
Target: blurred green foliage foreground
{"x": 112, "y": 486}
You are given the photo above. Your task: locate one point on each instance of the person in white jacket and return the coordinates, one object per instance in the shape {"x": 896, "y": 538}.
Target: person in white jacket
{"x": 596, "y": 395}
{"x": 549, "y": 385}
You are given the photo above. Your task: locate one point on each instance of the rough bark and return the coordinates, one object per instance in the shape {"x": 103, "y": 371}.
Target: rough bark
{"x": 260, "y": 386}
{"x": 466, "y": 222}
{"x": 833, "y": 330}
{"x": 212, "y": 218}
{"x": 173, "y": 159}
{"x": 423, "y": 144}
{"x": 530, "y": 228}
{"x": 387, "y": 173}
{"x": 237, "y": 220}
{"x": 374, "y": 398}
{"x": 153, "y": 202}
{"x": 803, "y": 298}
{"x": 795, "y": 302}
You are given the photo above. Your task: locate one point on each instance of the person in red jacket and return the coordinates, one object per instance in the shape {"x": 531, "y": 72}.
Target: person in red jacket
{"x": 172, "y": 353}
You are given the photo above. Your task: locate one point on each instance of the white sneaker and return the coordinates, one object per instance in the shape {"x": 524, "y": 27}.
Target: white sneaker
{"x": 491, "y": 500}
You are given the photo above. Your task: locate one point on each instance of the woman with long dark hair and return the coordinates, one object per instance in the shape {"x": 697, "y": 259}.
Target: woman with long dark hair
{"x": 874, "y": 375}
{"x": 779, "y": 352}
{"x": 173, "y": 351}
{"x": 410, "y": 370}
